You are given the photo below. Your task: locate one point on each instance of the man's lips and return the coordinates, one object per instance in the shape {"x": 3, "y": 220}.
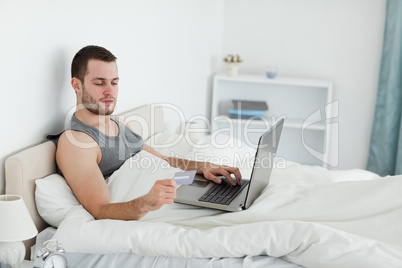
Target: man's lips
{"x": 108, "y": 101}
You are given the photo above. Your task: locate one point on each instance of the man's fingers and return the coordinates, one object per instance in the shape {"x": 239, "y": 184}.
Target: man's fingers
{"x": 225, "y": 173}
{"x": 169, "y": 197}
{"x": 167, "y": 182}
{"x": 166, "y": 189}
{"x": 210, "y": 176}
{"x": 236, "y": 172}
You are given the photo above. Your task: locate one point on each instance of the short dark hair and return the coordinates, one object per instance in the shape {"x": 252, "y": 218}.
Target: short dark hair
{"x": 80, "y": 62}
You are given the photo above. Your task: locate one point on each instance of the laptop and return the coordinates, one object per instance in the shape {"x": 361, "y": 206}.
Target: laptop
{"x": 204, "y": 193}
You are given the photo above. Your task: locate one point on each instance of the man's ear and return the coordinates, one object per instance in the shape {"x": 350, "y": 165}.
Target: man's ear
{"x": 76, "y": 84}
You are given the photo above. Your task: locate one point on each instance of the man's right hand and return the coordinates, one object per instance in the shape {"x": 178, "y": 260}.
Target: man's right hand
{"x": 162, "y": 192}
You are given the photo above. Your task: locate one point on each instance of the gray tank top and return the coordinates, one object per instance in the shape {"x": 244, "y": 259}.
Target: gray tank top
{"x": 115, "y": 150}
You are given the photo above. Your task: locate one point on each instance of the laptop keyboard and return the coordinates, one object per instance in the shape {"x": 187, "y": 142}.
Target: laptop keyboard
{"x": 223, "y": 193}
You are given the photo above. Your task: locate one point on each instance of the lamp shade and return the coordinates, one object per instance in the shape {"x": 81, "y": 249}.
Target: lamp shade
{"x": 16, "y": 224}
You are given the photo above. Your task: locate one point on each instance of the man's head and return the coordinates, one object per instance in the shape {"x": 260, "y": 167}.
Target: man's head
{"x": 79, "y": 65}
{"x": 95, "y": 80}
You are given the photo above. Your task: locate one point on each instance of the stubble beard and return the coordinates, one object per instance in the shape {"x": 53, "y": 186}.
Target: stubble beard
{"x": 93, "y": 106}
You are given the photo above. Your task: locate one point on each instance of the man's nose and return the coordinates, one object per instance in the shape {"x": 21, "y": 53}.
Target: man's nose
{"x": 108, "y": 89}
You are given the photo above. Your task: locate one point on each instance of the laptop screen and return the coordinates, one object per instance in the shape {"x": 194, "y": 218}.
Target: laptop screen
{"x": 263, "y": 162}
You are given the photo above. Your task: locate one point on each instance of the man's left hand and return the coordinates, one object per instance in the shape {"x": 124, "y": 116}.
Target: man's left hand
{"x": 212, "y": 171}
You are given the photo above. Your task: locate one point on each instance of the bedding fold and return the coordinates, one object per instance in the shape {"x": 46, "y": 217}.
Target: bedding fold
{"x": 308, "y": 215}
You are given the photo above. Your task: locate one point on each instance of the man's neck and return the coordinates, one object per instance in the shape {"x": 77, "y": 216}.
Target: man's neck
{"x": 101, "y": 122}
{"x": 95, "y": 120}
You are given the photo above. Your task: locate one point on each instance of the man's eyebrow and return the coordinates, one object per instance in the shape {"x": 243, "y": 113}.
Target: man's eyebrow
{"x": 104, "y": 79}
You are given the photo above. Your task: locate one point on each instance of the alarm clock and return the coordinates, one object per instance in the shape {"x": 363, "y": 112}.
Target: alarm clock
{"x": 51, "y": 255}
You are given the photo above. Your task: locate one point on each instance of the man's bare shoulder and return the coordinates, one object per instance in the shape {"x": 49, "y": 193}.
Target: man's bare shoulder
{"x": 78, "y": 146}
{"x": 77, "y": 139}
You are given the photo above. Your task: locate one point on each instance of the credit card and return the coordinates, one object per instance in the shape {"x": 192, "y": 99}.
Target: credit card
{"x": 185, "y": 177}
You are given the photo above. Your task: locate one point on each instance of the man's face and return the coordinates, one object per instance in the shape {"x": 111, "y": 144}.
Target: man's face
{"x": 100, "y": 87}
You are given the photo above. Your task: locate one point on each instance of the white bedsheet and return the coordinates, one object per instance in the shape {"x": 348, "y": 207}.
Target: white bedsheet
{"x": 308, "y": 215}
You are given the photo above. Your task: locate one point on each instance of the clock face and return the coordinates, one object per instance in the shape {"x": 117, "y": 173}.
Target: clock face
{"x": 55, "y": 260}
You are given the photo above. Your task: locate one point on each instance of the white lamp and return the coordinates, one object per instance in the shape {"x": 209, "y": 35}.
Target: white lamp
{"x": 16, "y": 225}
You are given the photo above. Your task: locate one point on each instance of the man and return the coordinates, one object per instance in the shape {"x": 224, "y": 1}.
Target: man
{"x": 97, "y": 143}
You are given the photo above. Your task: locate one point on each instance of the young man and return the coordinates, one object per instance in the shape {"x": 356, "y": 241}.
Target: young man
{"x": 97, "y": 143}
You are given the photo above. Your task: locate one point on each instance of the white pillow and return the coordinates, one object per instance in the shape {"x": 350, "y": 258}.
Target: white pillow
{"x": 54, "y": 199}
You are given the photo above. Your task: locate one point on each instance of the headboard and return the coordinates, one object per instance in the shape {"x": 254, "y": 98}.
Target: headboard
{"x": 37, "y": 162}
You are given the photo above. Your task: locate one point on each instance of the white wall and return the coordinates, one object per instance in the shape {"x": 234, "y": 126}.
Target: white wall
{"x": 337, "y": 40}
{"x": 167, "y": 52}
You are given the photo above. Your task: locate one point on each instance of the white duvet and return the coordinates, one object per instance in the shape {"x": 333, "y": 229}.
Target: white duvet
{"x": 307, "y": 215}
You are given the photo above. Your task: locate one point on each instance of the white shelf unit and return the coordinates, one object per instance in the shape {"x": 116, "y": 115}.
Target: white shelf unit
{"x": 301, "y": 101}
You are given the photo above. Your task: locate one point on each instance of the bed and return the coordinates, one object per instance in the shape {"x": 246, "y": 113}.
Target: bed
{"x": 308, "y": 216}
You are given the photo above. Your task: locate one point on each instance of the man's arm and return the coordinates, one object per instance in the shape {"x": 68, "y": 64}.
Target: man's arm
{"x": 209, "y": 170}
{"x": 78, "y": 156}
